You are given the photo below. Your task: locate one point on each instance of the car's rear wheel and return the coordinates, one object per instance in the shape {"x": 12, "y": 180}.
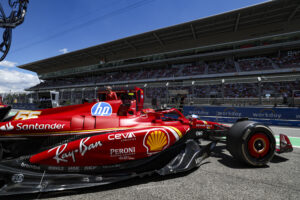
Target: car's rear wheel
{"x": 251, "y": 142}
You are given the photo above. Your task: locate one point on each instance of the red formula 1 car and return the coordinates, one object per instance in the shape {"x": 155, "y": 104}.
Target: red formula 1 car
{"x": 104, "y": 142}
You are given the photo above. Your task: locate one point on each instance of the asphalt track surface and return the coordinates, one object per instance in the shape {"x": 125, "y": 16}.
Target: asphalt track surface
{"x": 219, "y": 177}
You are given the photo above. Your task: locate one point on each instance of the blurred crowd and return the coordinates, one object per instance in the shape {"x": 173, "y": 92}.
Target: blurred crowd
{"x": 233, "y": 90}
{"x": 285, "y": 60}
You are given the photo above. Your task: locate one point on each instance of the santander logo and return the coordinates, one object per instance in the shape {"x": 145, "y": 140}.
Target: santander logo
{"x": 7, "y": 127}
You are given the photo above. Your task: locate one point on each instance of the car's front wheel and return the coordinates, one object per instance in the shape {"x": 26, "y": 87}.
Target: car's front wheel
{"x": 251, "y": 142}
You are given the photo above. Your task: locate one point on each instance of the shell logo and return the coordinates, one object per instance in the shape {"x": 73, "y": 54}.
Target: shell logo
{"x": 156, "y": 141}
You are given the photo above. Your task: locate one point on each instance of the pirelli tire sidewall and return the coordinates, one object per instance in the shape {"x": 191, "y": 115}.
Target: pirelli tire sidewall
{"x": 238, "y": 139}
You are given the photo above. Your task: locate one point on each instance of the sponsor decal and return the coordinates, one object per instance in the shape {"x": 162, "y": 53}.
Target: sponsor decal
{"x": 122, "y": 136}
{"x": 204, "y": 126}
{"x": 86, "y": 179}
{"x": 55, "y": 168}
{"x": 111, "y": 166}
{"x": 200, "y": 111}
{"x": 73, "y": 169}
{"x": 7, "y": 127}
{"x": 28, "y": 166}
{"x": 126, "y": 158}
{"x": 122, "y": 153}
{"x": 156, "y": 141}
{"x": 199, "y": 133}
{"x": 207, "y": 125}
{"x": 17, "y": 178}
{"x": 98, "y": 178}
{"x": 89, "y": 168}
{"x": 229, "y": 112}
{"x": 83, "y": 148}
{"x": 37, "y": 126}
{"x": 201, "y": 125}
{"x": 267, "y": 113}
{"x": 101, "y": 109}
{"x": 27, "y": 114}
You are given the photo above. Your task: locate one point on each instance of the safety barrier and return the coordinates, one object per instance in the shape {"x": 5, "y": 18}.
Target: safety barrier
{"x": 269, "y": 116}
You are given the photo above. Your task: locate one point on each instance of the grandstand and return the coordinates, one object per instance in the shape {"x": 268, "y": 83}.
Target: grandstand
{"x": 246, "y": 56}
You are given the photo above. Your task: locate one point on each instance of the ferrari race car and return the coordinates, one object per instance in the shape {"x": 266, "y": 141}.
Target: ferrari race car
{"x": 99, "y": 143}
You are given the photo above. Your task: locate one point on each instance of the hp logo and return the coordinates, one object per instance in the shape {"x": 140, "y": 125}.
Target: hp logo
{"x": 101, "y": 109}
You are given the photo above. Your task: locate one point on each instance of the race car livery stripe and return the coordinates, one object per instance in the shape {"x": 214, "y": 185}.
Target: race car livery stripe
{"x": 205, "y": 122}
{"x": 92, "y": 130}
{"x": 97, "y": 130}
{"x": 68, "y": 132}
{"x": 173, "y": 132}
{"x": 177, "y": 131}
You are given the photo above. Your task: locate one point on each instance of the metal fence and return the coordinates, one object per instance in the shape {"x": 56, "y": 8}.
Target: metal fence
{"x": 236, "y": 91}
{"x": 19, "y": 97}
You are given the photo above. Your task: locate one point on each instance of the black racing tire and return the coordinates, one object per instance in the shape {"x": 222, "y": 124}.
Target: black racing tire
{"x": 251, "y": 142}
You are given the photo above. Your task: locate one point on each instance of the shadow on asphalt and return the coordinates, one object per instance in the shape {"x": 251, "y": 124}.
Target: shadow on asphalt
{"x": 231, "y": 162}
{"x": 278, "y": 159}
{"x": 221, "y": 153}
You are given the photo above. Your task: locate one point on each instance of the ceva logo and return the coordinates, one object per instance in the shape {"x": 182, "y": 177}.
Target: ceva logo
{"x": 7, "y": 127}
{"x": 122, "y": 136}
{"x": 101, "y": 109}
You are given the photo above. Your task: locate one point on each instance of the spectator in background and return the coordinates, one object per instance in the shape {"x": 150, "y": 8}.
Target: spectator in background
{"x": 182, "y": 98}
{"x": 284, "y": 96}
{"x": 154, "y": 103}
{"x": 110, "y": 95}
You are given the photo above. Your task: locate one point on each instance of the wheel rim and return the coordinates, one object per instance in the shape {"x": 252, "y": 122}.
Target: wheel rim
{"x": 258, "y": 145}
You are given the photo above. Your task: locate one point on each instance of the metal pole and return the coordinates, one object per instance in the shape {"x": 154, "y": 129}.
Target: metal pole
{"x": 167, "y": 93}
{"x": 95, "y": 93}
{"x": 259, "y": 90}
{"x": 223, "y": 97}
{"x": 72, "y": 96}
